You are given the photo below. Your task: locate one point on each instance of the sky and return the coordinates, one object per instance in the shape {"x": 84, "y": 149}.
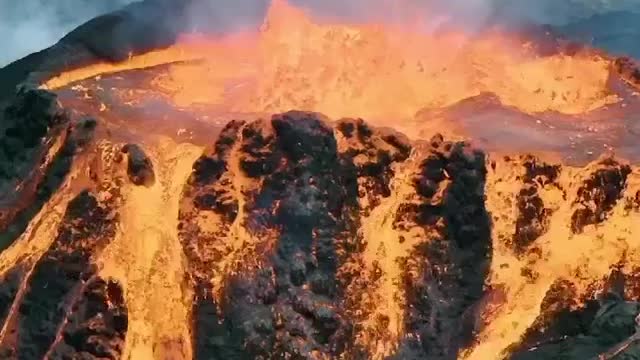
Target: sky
{"x": 27, "y": 26}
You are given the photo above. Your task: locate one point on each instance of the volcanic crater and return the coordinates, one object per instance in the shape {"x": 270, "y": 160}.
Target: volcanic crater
{"x": 172, "y": 195}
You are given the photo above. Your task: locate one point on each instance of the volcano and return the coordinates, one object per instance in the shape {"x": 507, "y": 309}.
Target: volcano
{"x": 318, "y": 188}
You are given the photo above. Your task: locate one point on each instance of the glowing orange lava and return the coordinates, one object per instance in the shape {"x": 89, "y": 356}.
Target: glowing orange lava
{"x": 378, "y": 71}
{"x": 584, "y": 258}
{"x": 385, "y": 73}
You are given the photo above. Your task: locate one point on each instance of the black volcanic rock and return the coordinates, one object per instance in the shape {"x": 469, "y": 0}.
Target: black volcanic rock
{"x": 55, "y": 297}
{"x": 294, "y": 156}
{"x": 372, "y": 152}
{"x": 289, "y": 297}
{"x": 33, "y": 127}
{"x": 97, "y": 326}
{"x": 301, "y": 190}
{"x": 612, "y": 324}
{"x": 557, "y": 321}
{"x": 533, "y": 215}
{"x": 58, "y": 276}
{"x": 25, "y": 123}
{"x": 599, "y": 194}
{"x": 39, "y": 140}
{"x": 455, "y": 260}
{"x": 9, "y": 287}
{"x": 596, "y": 326}
{"x": 139, "y": 166}
{"x": 138, "y": 28}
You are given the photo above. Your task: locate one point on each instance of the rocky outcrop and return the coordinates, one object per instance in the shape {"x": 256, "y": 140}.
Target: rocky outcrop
{"x": 54, "y": 302}
{"x": 139, "y": 166}
{"x": 62, "y": 288}
{"x": 306, "y": 238}
{"x": 599, "y": 194}
{"x": 35, "y": 154}
{"x": 280, "y": 196}
{"x": 455, "y": 256}
{"x": 533, "y": 215}
{"x": 298, "y": 197}
{"x": 602, "y": 329}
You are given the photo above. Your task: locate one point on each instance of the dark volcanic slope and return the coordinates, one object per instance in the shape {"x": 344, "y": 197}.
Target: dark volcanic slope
{"x": 137, "y": 28}
{"x": 54, "y": 302}
{"x": 62, "y": 308}
{"x": 616, "y": 32}
{"x": 287, "y": 292}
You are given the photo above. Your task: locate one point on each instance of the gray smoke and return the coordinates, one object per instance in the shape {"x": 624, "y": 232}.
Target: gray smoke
{"x": 473, "y": 14}
{"x": 27, "y": 26}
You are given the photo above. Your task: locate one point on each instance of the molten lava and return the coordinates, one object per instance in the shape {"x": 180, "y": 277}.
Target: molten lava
{"x": 297, "y": 235}
{"x": 386, "y": 72}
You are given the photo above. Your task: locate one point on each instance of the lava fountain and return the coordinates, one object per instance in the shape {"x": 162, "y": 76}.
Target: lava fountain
{"x": 348, "y": 70}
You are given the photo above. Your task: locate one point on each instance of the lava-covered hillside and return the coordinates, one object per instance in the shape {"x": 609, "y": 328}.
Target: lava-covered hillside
{"x": 148, "y": 215}
{"x": 297, "y": 236}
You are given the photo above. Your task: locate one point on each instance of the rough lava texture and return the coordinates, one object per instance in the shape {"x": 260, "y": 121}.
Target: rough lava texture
{"x": 599, "y": 193}
{"x": 298, "y": 237}
{"x": 62, "y": 289}
{"x": 599, "y": 328}
{"x": 303, "y": 218}
{"x": 302, "y": 238}
{"x": 455, "y": 257}
{"x": 54, "y": 302}
{"x": 36, "y": 146}
{"x": 285, "y": 291}
{"x": 533, "y": 218}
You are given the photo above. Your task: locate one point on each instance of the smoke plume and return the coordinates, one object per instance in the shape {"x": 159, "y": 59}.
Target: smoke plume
{"x": 27, "y": 26}
{"x": 472, "y": 14}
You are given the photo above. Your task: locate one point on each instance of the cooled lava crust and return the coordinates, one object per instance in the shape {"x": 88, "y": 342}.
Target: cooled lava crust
{"x": 297, "y": 190}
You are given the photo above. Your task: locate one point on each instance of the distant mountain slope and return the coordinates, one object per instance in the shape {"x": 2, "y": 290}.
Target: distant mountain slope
{"x": 617, "y": 32}
{"x": 27, "y": 26}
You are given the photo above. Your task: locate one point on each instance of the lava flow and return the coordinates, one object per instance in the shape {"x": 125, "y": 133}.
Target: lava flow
{"x": 222, "y": 199}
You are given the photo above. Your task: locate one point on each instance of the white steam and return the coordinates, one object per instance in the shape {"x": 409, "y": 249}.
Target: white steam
{"x": 27, "y": 26}
{"x": 473, "y": 14}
